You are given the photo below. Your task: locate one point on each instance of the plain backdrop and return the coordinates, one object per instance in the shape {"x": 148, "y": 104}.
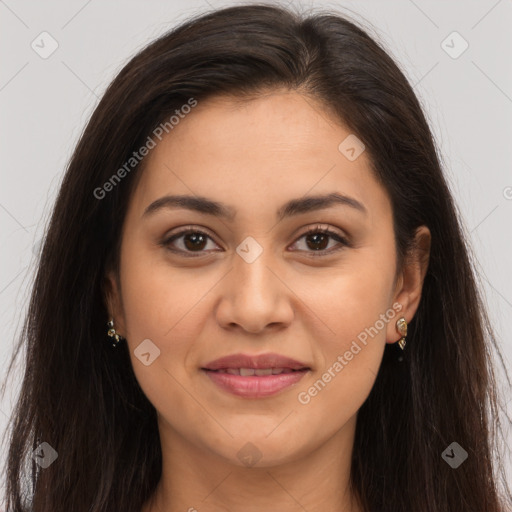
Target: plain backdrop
{"x": 457, "y": 55}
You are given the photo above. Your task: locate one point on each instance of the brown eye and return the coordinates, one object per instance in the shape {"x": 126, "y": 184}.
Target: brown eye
{"x": 193, "y": 241}
{"x": 317, "y": 240}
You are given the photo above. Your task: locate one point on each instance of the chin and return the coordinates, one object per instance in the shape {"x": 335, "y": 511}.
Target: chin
{"x": 259, "y": 451}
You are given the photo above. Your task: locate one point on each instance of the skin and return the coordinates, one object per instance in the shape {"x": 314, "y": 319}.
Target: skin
{"x": 254, "y": 156}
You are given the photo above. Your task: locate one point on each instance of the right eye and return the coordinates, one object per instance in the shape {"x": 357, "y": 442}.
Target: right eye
{"x": 193, "y": 241}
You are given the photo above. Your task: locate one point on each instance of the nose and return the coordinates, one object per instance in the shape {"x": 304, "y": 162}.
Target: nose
{"x": 255, "y": 297}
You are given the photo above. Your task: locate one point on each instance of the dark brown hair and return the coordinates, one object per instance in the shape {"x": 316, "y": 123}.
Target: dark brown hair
{"x": 84, "y": 400}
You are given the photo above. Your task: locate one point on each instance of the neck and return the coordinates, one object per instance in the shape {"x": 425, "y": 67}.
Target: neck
{"x": 196, "y": 479}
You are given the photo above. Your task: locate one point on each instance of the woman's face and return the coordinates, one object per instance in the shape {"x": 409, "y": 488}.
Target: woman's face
{"x": 254, "y": 282}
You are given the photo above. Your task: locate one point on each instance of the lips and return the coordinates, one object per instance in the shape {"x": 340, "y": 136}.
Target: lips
{"x": 255, "y": 376}
{"x": 256, "y": 362}
{"x": 247, "y": 372}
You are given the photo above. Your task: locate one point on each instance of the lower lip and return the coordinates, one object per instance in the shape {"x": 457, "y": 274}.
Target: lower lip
{"x": 255, "y": 386}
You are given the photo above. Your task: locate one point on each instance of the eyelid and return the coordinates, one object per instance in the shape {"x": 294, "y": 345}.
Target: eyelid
{"x": 191, "y": 228}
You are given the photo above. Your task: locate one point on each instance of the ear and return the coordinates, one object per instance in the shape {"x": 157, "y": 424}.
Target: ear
{"x": 410, "y": 281}
{"x": 112, "y": 296}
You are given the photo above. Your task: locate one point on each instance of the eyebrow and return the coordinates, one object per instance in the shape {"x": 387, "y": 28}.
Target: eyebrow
{"x": 291, "y": 208}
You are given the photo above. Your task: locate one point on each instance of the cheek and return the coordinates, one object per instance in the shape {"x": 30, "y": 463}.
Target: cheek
{"x": 354, "y": 306}
{"x": 158, "y": 306}
{"x": 356, "y": 310}
{"x": 165, "y": 309}
{"x": 157, "y": 299}
{"x": 168, "y": 306}
{"x": 350, "y": 301}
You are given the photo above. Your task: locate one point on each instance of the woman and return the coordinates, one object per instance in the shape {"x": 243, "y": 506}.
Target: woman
{"x": 254, "y": 292}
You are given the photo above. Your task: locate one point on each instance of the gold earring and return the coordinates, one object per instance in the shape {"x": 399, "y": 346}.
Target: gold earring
{"x": 113, "y": 334}
{"x": 401, "y": 326}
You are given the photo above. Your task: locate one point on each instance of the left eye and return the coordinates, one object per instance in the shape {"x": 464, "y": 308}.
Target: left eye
{"x": 317, "y": 239}
{"x": 196, "y": 241}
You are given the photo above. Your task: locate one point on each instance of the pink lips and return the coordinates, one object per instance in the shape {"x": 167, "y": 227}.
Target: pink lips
{"x": 255, "y": 376}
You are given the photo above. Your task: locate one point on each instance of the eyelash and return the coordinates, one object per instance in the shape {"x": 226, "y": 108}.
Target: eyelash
{"x": 313, "y": 230}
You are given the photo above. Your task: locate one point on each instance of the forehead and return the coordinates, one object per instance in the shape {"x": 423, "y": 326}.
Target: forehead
{"x": 259, "y": 150}
{"x": 288, "y": 123}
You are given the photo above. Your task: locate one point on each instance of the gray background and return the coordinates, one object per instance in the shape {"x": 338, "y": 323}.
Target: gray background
{"x": 45, "y": 104}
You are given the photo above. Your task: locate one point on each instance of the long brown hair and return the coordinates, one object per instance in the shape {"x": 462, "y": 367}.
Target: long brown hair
{"x": 84, "y": 400}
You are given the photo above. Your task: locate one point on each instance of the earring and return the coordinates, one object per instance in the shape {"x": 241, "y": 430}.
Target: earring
{"x": 113, "y": 334}
{"x": 401, "y": 326}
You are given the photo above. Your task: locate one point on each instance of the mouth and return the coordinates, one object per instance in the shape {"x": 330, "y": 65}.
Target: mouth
{"x": 253, "y": 383}
{"x": 267, "y": 361}
{"x": 258, "y": 372}
{"x": 255, "y": 386}
{"x": 255, "y": 376}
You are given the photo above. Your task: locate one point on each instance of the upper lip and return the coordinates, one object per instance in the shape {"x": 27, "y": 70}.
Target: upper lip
{"x": 269, "y": 360}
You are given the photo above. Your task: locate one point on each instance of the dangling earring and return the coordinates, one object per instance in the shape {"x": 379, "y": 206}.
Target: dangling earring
{"x": 113, "y": 334}
{"x": 401, "y": 326}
